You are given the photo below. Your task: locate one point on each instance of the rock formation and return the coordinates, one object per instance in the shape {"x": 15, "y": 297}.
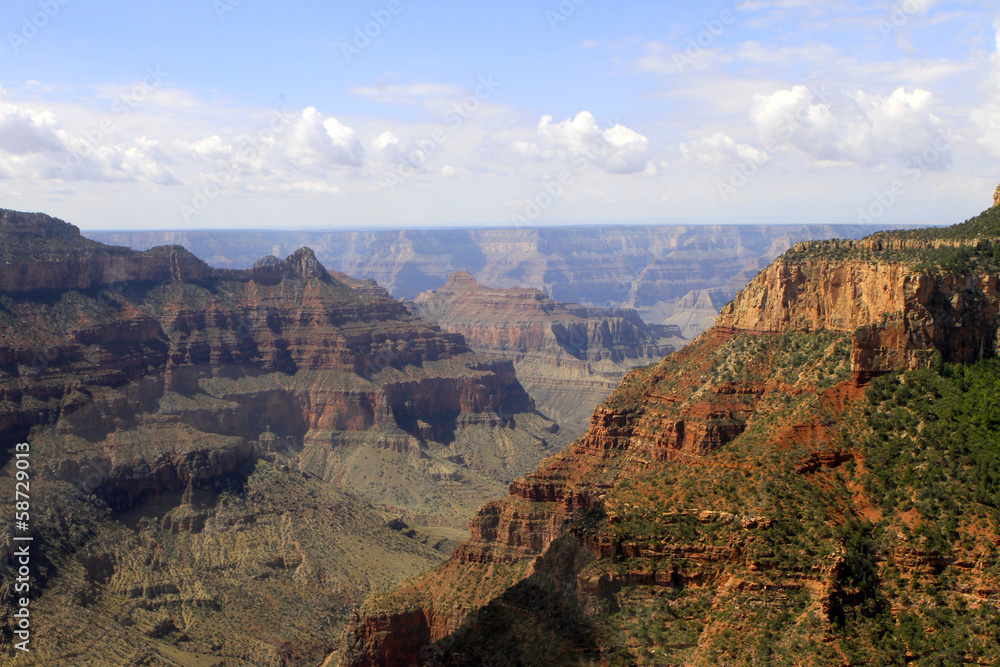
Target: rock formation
{"x": 807, "y": 480}
{"x": 568, "y": 357}
{"x": 226, "y": 462}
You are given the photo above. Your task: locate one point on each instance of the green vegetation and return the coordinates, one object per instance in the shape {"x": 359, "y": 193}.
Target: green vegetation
{"x": 934, "y": 446}
{"x": 823, "y": 357}
{"x": 984, "y": 225}
{"x": 966, "y": 248}
{"x": 929, "y": 458}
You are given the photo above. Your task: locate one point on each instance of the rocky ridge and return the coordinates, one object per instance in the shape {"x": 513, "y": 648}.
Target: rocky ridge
{"x": 676, "y": 275}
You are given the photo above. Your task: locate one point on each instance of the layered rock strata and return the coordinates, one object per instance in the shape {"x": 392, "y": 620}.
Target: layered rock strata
{"x": 201, "y": 436}
{"x": 568, "y": 357}
{"x": 678, "y": 275}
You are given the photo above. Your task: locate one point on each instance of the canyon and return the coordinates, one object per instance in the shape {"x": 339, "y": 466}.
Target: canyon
{"x": 805, "y": 483}
{"x": 279, "y": 463}
{"x": 226, "y": 462}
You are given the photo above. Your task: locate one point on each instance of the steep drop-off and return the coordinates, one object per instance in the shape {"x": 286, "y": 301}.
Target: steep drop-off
{"x": 568, "y": 357}
{"x": 226, "y": 462}
{"x": 810, "y": 482}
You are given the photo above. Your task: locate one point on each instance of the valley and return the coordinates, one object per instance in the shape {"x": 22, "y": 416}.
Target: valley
{"x": 282, "y": 464}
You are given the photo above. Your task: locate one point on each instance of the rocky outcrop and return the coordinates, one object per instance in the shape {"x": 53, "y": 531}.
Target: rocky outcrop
{"x": 897, "y": 313}
{"x": 39, "y": 252}
{"x": 520, "y": 321}
{"x": 569, "y": 357}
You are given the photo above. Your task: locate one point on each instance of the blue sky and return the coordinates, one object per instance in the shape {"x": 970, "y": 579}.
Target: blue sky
{"x": 254, "y": 113}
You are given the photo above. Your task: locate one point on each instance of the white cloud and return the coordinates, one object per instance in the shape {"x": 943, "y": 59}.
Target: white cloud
{"x": 318, "y": 141}
{"x": 384, "y": 140}
{"x": 23, "y": 131}
{"x": 618, "y": 149}
{"x": 721, "y": 151}
{"x": 212, "y": 148}
{"x": 34, "y": 145}
{"x": 857, "y": 128}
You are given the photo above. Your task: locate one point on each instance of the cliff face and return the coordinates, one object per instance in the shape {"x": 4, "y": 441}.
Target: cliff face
{"x": 675, "y": 275}
{"x": 898, "y": 313}
{"x": 763, "y": 492}
{"x": 568, "y": 357}
{"x": 202, "y": 436}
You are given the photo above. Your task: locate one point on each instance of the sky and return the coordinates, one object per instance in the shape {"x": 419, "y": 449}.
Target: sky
{"x": 234, "y": 114}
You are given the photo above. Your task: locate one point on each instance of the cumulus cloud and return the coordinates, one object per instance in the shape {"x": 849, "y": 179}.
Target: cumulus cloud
{"x": 857, "y": 128}
{"x": 618, "y": 149}
{"x": 721, "y": 151}
{"x": 384, "y": 140}
{"x": 34, "y": 145}
{"x": 23, "y": 131}
{"x": 293, "y": 152}
{"x": 315, "y": 140}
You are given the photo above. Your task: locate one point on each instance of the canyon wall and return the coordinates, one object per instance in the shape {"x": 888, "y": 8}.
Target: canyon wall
{"x": 227, "y": 461}
{"x": 898, "y": 314}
